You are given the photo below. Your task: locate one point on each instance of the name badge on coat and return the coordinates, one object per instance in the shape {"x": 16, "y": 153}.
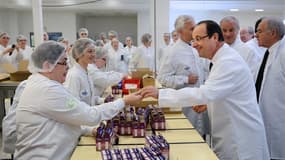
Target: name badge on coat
{"x": 84, "y": 93}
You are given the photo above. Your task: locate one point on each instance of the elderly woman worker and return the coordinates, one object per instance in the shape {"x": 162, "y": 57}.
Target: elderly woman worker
{"x": 48, "y": 117}
{"x": 101, "y": 79}
{"x": 143, "y": 56}
{"x": 78, "y": 81}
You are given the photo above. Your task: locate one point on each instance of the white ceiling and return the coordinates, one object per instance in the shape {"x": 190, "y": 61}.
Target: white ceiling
{"x": 133, "y": 6}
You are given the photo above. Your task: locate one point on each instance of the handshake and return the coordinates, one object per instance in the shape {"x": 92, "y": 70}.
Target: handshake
{"x": 136, "y": 97}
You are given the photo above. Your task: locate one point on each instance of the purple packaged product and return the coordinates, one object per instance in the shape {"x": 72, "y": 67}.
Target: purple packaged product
{"x": 106, "y": 154}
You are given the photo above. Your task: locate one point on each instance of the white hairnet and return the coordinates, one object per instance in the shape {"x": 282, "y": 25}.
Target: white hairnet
{"x": 20, "y": 37}
{"x": 50, "y": 52}
{"x": 79, "y": 46}
{"x": 100, "y": 52}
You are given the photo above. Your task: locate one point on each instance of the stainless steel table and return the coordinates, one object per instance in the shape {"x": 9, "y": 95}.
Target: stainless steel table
{"x": 7, "y": 90}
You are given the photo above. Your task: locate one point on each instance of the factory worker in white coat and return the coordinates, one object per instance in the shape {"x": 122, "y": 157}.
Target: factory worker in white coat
{"x": 48, "y": 117}
{"x": 9, "y": 135}
{"x": 237, "y": 128}
{"x": 271, "y": 84}
{"x": 78, "y": 82}
{"x": 143, "y": 56}
{"x": 100, "y": 79}
{"x": 5, "y": 50}
{"x": 183, "y": 69}
{"x": 230, "y": 27}
{"x": 118, "y": 59}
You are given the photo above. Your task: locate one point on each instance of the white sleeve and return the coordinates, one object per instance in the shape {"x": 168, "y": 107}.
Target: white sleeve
{"x": 9, "y": 135}
{"x": 219, "y": 84}
{"x": 62, "y": 106}
{"x": 167, "y": 76}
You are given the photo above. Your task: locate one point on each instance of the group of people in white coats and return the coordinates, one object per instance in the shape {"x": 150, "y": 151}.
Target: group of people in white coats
{"x": 241, "y": 125}
{"x": 14, "y": 53}
{"x": 240, "y": 109}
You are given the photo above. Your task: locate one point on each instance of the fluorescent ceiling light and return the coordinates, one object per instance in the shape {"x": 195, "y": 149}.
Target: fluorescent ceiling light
{"x": 234, "y": 10}
{"x": 259, "y": 10}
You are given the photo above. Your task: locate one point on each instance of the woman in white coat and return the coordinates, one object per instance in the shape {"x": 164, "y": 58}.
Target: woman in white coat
{"x": 102, "y": 80}
{"x": 237, "y": 127}
{"x": 78, "y": 81}
{"x": 49, "y": 117}
{"x": 143, "y": 56}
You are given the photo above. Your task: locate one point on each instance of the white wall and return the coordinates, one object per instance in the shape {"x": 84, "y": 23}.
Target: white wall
{"x": 21, "y": 22}
{"x": 124, "y": 25}
{"x": 245, "y": 18}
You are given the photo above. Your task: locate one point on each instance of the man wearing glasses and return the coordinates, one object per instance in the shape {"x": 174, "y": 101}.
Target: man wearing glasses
{"x": 83, "y": 33}
{"x": 182, "y": 68}
{"x": 237, "y": 128}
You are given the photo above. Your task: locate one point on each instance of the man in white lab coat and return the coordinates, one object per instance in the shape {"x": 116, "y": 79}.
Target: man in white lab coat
{"x": 183, "y": 69}
{"x": 230, "y": 28}
{"x": 237, "y": 128}
{"x": 117, "y": 59}
{"x": 270, "y": 84}
{"x": 49, "y": 118}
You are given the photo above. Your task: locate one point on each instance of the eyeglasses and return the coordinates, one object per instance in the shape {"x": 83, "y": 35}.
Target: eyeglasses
{"x": 6, "y": 38}
{"x": 83, "y": 34}
{"x": 198, "y": 39}
{"x": 64, "y": 63}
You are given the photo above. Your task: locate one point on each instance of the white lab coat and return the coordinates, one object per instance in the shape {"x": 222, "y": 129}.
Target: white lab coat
{"x": 237, "y": 128}
{"x": 4, "y": 58}
{"x": 271, "y": 100}
{"x": 22, "y": 54}
{"x": 9, "y": 135}
{"x": 184, "y": 60}
{"x": 143, "y": 57}
{"x": 102, "y": 80}
{"x": 108, "y": 45}
{"x": 78, "y": 82}
{"x": 259, "y": 50}
{"x": 115, "y": 61}
{"x": 130, "y": 50}
{"x": 248, "y": 54}
{"x": 48, "y": 119}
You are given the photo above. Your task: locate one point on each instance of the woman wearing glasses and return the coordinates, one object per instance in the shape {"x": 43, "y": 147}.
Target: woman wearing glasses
{"x": 49, "y": 118}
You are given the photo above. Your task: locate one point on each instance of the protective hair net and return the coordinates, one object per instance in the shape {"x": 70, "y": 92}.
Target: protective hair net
{"x": 83, "y": 30}
{"x": 100, "y": 52}
{"x": 20, "y": 37}
{"x": 146, "y": 38}
{"x": 99, "y": 43}
{"x": 49, "y": 51}
{"x": 2, "y": 34}
{"x": 79, "y": 46}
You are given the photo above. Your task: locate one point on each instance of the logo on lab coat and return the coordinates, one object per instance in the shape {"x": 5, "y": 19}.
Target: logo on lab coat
{"x": 84, "y": 93}
{"x": 71, "y": 103}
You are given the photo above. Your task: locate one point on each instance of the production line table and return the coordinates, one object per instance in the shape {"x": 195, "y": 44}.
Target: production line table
{"x": 185, "y": 142}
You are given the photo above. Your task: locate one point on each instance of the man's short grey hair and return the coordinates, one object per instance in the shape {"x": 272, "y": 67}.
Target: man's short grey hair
{"x": 103, "y": 34}
{"x": 99, "y": 43}
{"x": 231, "y": 19}
{"x": 79, "y": 46}
{"x": 181, "y": 20}
{"x": 100, "y": 52}
{"x": 146, "y": 38}
{"x": 130, "y": 38}
{"x": 49, "y": 51}
{"x": 83, "y": 30}
{"x": 166, "y": 34}
{"x": 113, "y": 33}
{"x": 275, "y": 24}
{"x": 20, "y": 37}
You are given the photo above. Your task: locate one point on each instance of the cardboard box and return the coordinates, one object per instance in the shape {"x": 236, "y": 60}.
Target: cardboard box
{"x": 19, "y": 74}
{"x": 140, "y": 72}
{"x": 148, "y": 80}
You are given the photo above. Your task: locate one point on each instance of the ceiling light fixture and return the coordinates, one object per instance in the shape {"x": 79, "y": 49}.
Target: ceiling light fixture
{"x": 259, "y": 10}
{"x": 234, "y": 10}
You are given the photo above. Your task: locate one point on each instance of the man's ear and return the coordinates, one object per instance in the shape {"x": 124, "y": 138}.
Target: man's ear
{"x": 46, "y": 65}
{"x": 215, "y": 36}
